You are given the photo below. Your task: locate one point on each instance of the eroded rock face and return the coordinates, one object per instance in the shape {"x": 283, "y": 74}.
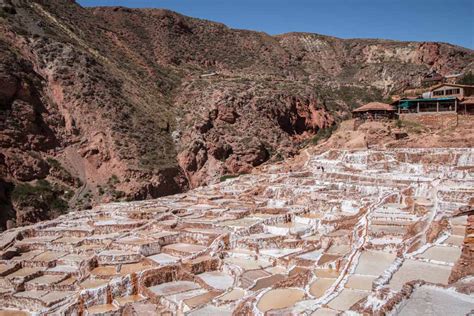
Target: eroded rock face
{"x": 252, "y": 128}
{"x": 464, "y": 265}
{"x": 26, "y": 167}
{"x": 67, "y": 114}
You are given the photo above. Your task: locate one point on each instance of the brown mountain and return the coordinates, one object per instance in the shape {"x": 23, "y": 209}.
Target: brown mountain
{"x": 114, "y": 103}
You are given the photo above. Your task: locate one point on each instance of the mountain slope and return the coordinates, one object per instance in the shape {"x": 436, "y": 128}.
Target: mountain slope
{"x": 110, "y": 103}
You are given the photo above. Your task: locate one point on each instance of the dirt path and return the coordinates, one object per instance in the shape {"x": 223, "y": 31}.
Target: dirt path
{"x": 76, "y": 163}
{"x": 79, "y": 194}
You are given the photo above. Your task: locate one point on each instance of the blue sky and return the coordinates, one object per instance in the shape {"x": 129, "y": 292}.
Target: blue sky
{"x": 418, "y": 20}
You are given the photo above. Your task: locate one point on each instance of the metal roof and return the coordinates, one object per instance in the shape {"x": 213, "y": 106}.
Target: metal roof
{"x": 468, "y": 100}
{"x": 429, "y": 99}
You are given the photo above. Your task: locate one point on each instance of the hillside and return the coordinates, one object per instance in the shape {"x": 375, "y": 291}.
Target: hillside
{"x": 102, "y": 104}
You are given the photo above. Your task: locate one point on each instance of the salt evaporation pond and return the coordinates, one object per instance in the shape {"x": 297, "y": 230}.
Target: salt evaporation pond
{"x": 428, "y": 300}
{"x": 320, "y": 286}
{"x": 347, "y": 298}
{"x": 417, "y": 270}
{"x": 440, "y": 253}
{"x": 374, "y": 262}
{"x": 279, "y": 298}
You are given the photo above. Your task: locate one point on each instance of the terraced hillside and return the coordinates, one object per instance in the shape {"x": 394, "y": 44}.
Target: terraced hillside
{"x": 367, "y": 231}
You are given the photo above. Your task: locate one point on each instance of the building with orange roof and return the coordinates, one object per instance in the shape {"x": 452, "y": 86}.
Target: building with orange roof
{"x": 374, "y": 110}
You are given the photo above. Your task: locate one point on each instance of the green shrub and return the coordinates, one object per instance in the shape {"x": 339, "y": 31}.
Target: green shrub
{"x": 41, "y": 195}
{"x": 68, "y": 194}
{"x": 113, "y": 180}
{"x": 323, "y": 133}
{"x": 411, "y": 127}
{"x": 79, "y": 182}
{"x": 58, "y": 204}
{"x": 101, "y": 190}
{"x": 53, "y": 163}
{"x": 117, "y": 194}
{"x": 228, "y": 176}
{"x": 24, "y": 191}
{"x": 278, "y": 157}
{"x": 468, "y": 79}
{"x": 3, "y": 14}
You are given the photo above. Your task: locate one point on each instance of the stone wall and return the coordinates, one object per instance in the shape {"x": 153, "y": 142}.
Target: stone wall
{"x": 440, "y": 120}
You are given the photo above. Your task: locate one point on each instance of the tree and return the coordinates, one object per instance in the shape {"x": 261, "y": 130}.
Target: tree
{"x": 468, "y": 78}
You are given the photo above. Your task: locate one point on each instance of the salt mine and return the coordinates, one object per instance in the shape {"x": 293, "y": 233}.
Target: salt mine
{"x": 371, "y": 232}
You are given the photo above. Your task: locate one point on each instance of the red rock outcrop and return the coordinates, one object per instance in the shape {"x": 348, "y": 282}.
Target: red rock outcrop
{"x": 464, "y": 266}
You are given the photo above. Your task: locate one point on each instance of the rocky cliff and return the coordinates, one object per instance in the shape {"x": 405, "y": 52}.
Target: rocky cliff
{"x": 103, "y": 104}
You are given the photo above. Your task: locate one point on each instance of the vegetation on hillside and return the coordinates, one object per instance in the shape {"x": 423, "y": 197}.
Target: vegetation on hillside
{"x": 229, "y": 176}
{"x": 41, "y": 195}
{"x": 468, "y": 79}
{"x": 323, "y": 134}
{"x": 410, "y": 126}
